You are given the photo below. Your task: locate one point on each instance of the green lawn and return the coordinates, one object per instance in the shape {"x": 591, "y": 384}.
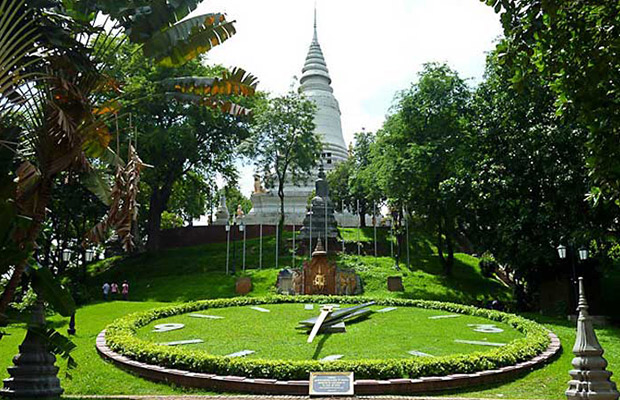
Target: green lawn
{"x": 273, "y": 335}
{"x": 551, "y": 381}
{"x": 192, "y": 273}
{"x": 93, "y": 375}
{"x": 198, "y": 273}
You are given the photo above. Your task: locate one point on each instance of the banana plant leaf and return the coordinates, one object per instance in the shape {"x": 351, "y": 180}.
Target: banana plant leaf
{"x": 94, "y": 180}
{"x": 46, "y": 286}
{"x": 58, "y": 344}
{"x": 235, "y": 82}
{"x": 225, "y": 106}
{"x": 187, "y": 39}
{"x": 147, "y": 20}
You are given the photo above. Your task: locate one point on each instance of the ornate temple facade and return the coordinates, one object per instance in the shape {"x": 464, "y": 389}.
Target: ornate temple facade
{"x": 316, "y": 86}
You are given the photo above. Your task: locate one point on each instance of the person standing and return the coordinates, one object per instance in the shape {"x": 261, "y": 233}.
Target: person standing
{"x": 106, "y": 290}
{"x": 125, "y": 290}
{"x": 114, "y": 290}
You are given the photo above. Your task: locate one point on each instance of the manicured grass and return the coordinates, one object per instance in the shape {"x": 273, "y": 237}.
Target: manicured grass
{"x": 381, "y": 336}
{"x": 550, "y": 382}
{"x": 193, "y": 273}
{"x": 198, "y": 273}
{"x": 424, "y": 280}
{"x": 92, "y": 375}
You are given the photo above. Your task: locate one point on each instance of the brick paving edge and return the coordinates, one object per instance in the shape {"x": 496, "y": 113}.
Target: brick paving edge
{"x": 363, "y": 387}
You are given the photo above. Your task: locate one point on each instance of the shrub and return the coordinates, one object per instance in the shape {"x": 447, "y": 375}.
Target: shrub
{"x": 487, "y": 264}
{"x": 120, "y": 337}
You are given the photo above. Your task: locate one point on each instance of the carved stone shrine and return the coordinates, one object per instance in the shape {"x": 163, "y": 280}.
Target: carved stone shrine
{"x": 319, "y": 275}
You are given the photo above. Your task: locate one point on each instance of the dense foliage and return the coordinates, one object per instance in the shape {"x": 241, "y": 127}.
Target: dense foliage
{"x": 573, "y": 45}
{"x": 120, "y": 337}
{"x": 420, "y": 149}
{"x": 182, "y": 143}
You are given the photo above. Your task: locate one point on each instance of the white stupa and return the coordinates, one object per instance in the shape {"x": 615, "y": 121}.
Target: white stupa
{"x": 316, "y": 86}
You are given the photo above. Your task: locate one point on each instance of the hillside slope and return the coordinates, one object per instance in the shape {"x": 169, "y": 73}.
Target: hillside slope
{"x": 192, "y": 273}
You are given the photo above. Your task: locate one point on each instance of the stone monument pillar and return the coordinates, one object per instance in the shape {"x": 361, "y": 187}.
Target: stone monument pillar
{"x": 589, "y": 380}
{"x": 221, "y": 215}
{"x": 321, "y": 222}
{"x": 33, "y": 374}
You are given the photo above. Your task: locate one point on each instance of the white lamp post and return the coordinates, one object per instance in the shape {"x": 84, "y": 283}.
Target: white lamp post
{"x": 310, "y": 249}
{"x": 260, "y": 246}
{"x": 242, "y": 229}
{"x": 359, "y": 226}
{"x": 227, "y": 245}
{"x": 583, "y": 254}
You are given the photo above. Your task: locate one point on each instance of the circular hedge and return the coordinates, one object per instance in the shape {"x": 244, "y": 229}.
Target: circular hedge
{"x": 121, "y": 338}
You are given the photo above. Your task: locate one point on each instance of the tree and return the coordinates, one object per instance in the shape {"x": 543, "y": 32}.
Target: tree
{"x": 54, "y": 120}
{"x": 283, "y": 140}
{"x": 573, "y": 46}
{"x": 177, "y": 137}
{"x": 524, "y": 181}
{"x": 419, "y": 150}
{"x": 189, "y": 196}
{"x": 354, "y": 180}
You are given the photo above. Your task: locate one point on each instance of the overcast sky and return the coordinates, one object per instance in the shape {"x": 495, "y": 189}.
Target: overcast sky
{"x": 372, "y": 49}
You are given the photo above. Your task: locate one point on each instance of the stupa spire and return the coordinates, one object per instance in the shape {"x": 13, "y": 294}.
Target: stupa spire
{"x": 315, "y": 75}
{"x": 315, "y": 37}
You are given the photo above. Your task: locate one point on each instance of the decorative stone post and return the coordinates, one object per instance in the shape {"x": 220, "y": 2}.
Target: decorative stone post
{"x": 34, "y": 374}
{"x": 589, "y": 380}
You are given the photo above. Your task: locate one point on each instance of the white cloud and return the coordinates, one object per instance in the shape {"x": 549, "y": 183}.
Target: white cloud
{"x": 372, "y": 49}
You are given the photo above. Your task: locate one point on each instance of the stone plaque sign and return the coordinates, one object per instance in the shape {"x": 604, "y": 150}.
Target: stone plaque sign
{"x": 331, "y": 384}
{"x": 243, "y": 286}
{"x": 395, "y": 284}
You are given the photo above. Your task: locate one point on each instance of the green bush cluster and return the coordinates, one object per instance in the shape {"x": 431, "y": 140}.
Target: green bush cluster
{"x": 121, "y": 337}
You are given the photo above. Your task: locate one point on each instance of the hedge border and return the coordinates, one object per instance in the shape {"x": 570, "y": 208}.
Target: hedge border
{"x": 300, "y": 388}
{"x": 120, "y": 338}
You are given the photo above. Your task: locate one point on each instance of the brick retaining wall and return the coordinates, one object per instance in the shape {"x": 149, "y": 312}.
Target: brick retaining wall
{"x": 362, "y": 386}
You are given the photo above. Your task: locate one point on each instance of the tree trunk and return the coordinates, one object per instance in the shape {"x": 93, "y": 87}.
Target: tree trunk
{"x": 157, "y": 205}
{"x": 29, "y": 239}
{"x": 442, "y": 258}
{"x": 448, "y": 266}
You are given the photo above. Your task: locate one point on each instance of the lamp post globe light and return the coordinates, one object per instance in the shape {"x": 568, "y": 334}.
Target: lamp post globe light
{"x": 66, "y": 255}
{"x": 89, "y": 255}
{"x": 561, "y": 251}
{"x": 569, "y": 252}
